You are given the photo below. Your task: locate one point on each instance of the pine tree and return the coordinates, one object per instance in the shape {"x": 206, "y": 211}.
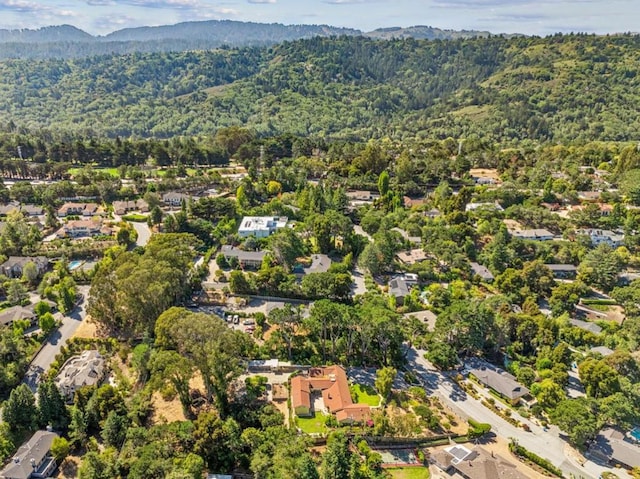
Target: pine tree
{"x": 52, "y": 410}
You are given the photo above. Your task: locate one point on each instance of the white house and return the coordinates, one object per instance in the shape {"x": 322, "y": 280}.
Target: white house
{"x": 87, "y": 369}
{"x": 599, "y": 237}
{"x": 261, "y": 226}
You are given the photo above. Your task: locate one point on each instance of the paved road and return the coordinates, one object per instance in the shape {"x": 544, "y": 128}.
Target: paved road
{"x": 358, "y": 287}
{"x": 144, "y": 233}
{"x": 547, "y": 444}
{"x": 47, "y": 354}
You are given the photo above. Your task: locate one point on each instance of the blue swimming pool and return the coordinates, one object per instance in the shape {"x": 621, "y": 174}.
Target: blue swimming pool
{"x": 635, "y": 433}
{"x": 75, "y": 264}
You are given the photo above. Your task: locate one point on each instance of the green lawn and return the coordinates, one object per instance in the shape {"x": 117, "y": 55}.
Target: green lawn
{"x": 112, "y": 171}
{"x": 365, "y": 395}
{"x": 414, "y": 472}
{"x": 135, "y": 217}
{"x": 312, "y": 425}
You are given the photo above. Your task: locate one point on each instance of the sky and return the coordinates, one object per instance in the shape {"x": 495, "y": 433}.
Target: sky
{"x": 532, "y": 17}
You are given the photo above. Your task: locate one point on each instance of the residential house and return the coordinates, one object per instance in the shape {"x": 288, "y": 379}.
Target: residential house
{"x": 563, "y": 271}
{"x": 246, "y": 259}
{"x": 87, "y": 369}
{"x": 261, "y": 226}
{"x": 433, "y": 213}
{"x": 400, "y": 288}
{"x": 175, "y": 198}
{"x": 332, "y": 385}
{"x": 589, "y": 196}
{"x": 500, "y": 381}
{"x": 84, "y": 228}
{"x": 124, "y": 207}
{"x": 533, "y": 234}
{"x": 488, "y": 206}
{"x": 33, "y": 459}
{"x": 599, "y": 237}
{"x": 585, "y": 325}
{"x": 427, "y": 317}
{"x": 360, "y": 197}
{"x": 14, "y": 266}
{"x": 476, "y": 464}
{"x": 416, "y": 240}
{"x": 412, "y": 256}
{"x": 15, "y": 207}
{"x": 612, "y": 447}
{"x": 482, "y": 271}
{"x": 18, "y": 313}
{"x": 602, "y": 350}
{"x": 78, "y": 209}
{"x": 413, "y": 202}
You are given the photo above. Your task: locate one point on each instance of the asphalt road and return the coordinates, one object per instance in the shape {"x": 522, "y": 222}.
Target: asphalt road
{"x": 144, "y": 233}
{"x": 58, "y": 338}
{"x": 547, "y": 444}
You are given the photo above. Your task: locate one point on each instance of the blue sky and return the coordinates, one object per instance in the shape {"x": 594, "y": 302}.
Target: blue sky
{"x": 536, "y": 17}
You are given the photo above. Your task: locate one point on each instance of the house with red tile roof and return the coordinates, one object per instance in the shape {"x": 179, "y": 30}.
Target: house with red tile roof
{"x": 332, "y": 385}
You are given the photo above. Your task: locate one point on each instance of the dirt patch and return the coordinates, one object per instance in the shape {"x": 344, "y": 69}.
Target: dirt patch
{"x": 485, "y": 173}
{"x": 69, "y": 468}
{"x": 86, "y": 330}
{"x": 171, "y": 411}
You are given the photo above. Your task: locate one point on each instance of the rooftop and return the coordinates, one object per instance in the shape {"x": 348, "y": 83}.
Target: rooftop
{"x": 35, "y": 449}
{"x": 498, "y": 380}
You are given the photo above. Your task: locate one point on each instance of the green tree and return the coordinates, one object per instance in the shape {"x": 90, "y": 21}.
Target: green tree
{"x": 577, "y": 417}
{"x": 175, "y": 369}
{"x": 600, "y": 268}
{"x": 383, "y": 183}
{"x": 30, "y": 273}
{"x": 47, "y": 323}
{"x": 52, "y": 410}
{"x": 16, "y": 292}
{"x": 60, "y": 449}
{"x": 114, "y": 429}
{"x": 336, "y": 460}
{"x": 19, "y": 410}
{"x": 442, "y": 355}
{"x": 384, "y": 381}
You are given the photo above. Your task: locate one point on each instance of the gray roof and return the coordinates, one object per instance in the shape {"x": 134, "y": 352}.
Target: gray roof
{"x": 605, "y": 351}
{"x": 398, "y": 288}
{"x": 233, "y": 252}
{"x": 587, "y": 326}
{"x": 500, "y": 381}
{"x": 611, "y": 444}
{"x": 86, "y": 369}
{"x": 532, "y": 234}
{"x": 15, "y": 313}
{"x": 36, "y": 448}
{"x": 21, "y": 261}
{"x": 482, "y": 464}
{"x": 482, "y": 271}
{"x": 568, "y": 268}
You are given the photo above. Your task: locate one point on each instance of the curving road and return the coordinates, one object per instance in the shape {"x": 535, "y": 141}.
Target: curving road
{"x": 42, "y": 361}
{"x": 547, "y": 444}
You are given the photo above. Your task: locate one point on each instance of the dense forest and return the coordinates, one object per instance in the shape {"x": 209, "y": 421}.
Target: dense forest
{"x": 560, "y": 88}
{"x": 66, "y": 41}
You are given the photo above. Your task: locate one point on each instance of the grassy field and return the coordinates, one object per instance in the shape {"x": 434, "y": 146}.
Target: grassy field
{"x": 312, "y": 425}
{"x": 112, "y": 171}
{"x": 365, "y": 395}
{"x": 414, "y": 472}
{"x": 135, "y": 217}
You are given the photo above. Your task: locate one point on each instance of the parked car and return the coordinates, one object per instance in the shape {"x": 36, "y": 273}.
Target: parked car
{"x": 236, "y": 319}
{"x": 248, "y": 322}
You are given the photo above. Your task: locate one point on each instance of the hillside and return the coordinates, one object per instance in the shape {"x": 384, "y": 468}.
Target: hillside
{"x": 66, "y": 41}
{"x": 558, "y": 88}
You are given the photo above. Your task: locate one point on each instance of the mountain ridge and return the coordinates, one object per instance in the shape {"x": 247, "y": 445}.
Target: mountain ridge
{"x": 67, "y": 41}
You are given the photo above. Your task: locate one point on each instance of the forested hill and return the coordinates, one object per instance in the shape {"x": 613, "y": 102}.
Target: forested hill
{"x": 558, "y": 88}
{"x": 66, "y": 41}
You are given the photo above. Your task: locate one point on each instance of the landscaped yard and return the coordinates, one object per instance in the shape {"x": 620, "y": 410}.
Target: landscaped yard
{"x": 312, "y": 425}
{"x": 364, "y": 395}
{"x": 111, "y": 171}
{"x": 414, "y": 472}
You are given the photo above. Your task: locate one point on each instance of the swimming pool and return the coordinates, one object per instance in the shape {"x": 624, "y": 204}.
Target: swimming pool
{"x": 75, "y": 264}
{"x": 635, "y": 433}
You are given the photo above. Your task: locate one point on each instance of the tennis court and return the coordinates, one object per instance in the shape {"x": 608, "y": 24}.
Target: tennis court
{"x": 398, "y": 456}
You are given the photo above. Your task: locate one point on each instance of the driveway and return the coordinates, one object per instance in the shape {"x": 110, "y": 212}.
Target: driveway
{"x": 42, "y": 361}
{"x": 547, "y": 444}
{"x": 144, "y": 233}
